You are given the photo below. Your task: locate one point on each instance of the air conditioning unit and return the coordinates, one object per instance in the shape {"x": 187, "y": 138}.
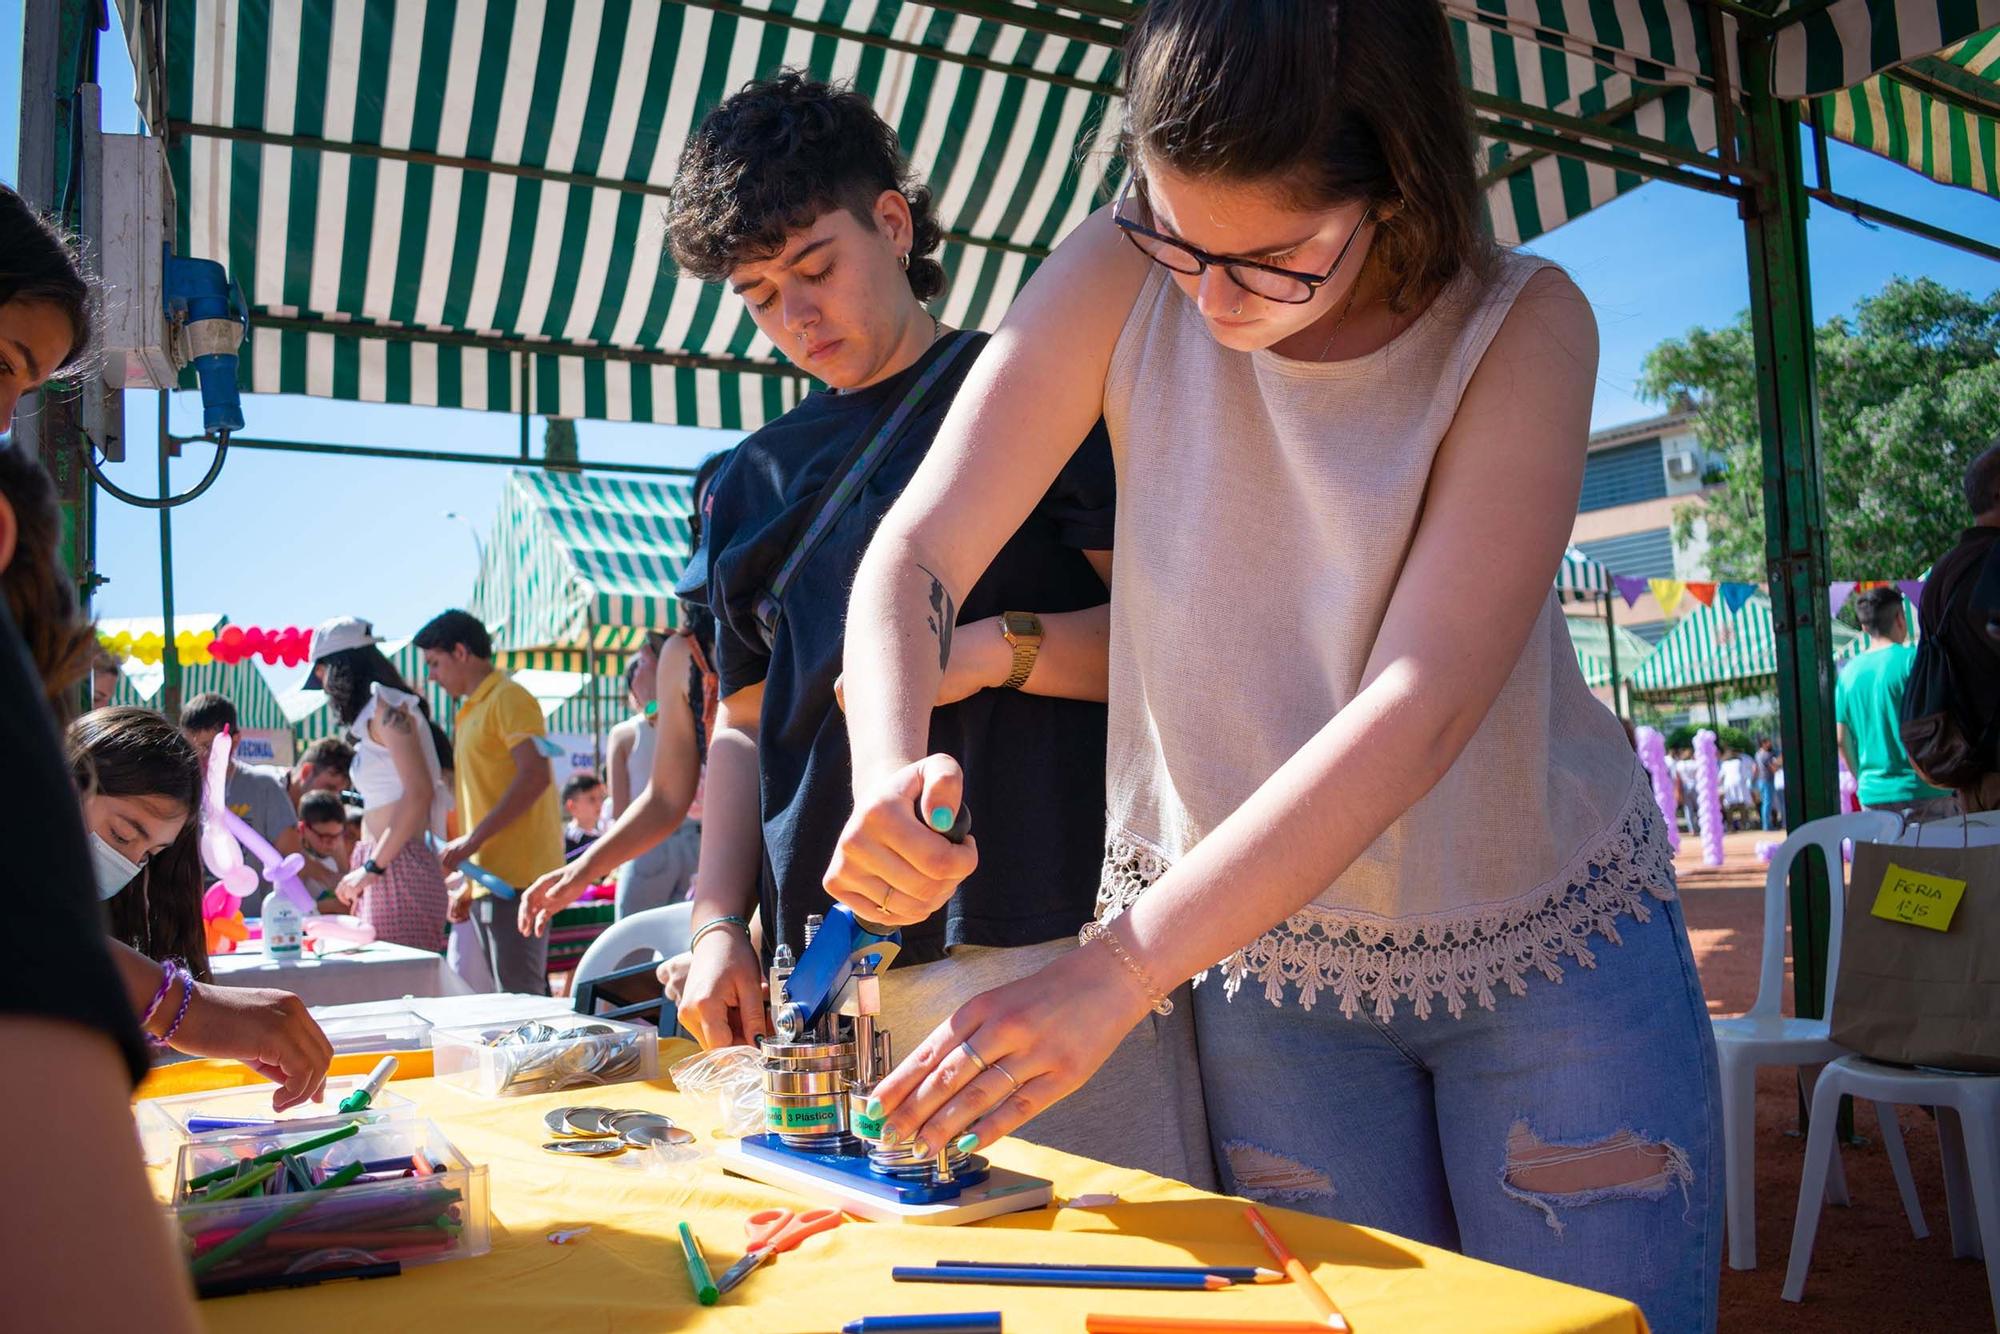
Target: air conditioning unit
{"x": 1683, "y": 464}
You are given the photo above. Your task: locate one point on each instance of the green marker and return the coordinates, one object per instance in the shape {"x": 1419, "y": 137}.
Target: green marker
{"x": 699, "y": 1278}
{"x": 359, "y": 1100}
{"x": 304, "y": 1146}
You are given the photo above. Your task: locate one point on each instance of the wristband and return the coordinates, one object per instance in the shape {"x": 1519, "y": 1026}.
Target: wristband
{"x": 153, "y": 1006}
{"x": 1101, "y": 931}
{"x": 711, "y": 924}
{"x": 187, "y": 994}
{"x": 369, "y": 866}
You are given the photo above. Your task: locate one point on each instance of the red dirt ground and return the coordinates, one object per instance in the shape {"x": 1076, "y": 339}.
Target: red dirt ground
{"x": 1868, "y": 1272}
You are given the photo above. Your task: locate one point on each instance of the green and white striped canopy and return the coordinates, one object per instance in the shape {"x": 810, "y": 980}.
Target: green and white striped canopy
{"x": 1591, "y": 638}
{"x": 1582, "y": 576}
{"x": 1712, "y": 647}
{"x": 459, "y": 202}
{"x": 576, "y": 562}
{"x": 139, "y": 685}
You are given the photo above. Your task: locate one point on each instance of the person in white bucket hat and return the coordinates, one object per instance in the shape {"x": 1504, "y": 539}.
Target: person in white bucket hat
{"x": 400, "y": 756}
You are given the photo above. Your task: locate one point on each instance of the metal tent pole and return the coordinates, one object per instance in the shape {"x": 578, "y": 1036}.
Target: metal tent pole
{"x": 1774, "y": 225}
{"x": 1611, "y": 643}
{"x": 170, "y": 655}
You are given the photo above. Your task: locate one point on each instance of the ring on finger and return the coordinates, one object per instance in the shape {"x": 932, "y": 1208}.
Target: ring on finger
{"x": 978, "y": 1062}
{"x": 1001, "y": 1070}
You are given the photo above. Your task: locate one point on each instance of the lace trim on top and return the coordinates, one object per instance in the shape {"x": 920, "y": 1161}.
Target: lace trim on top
{"x": 1452, "y": 957}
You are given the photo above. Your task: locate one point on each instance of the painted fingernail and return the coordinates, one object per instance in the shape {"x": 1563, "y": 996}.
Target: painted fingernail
{"x": 968, "y": 1142}
{"x": 921, "y": 1149}
{"x": 941, "y": 818}
{"x": 875, "y": 1109}
{"x": 891, "y": 1136}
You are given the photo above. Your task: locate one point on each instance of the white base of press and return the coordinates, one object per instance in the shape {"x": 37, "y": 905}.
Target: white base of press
{"x": 1003, "y": 1192}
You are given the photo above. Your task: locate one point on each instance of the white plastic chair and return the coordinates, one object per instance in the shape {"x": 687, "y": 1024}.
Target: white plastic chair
{"x": 1766, "y": 1036}
{"x": 1968, "y": 1121}
{"x": 1978, "y": 830}
{"x": 662, "y": 932}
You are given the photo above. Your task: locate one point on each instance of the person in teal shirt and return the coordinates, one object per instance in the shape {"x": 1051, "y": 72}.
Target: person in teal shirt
{"x": 1868, "y": 706}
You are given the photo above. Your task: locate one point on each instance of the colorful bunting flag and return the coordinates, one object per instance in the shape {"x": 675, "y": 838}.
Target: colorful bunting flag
{"x": 1668, "y": 593}
{"x": 1913, "y": 589}
{"x": 1735, "y": 595}
{"x": 1702, "y": 592}
{"x": 1630, "y": 587}
{"x": 1838, "y": 592}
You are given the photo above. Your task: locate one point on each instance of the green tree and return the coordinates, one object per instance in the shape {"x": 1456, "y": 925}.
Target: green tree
{"x": 1909, "y": 393}
{"x": 559, "y": 445}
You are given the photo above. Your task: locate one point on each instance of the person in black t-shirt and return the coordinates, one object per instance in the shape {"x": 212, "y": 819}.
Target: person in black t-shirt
{"x": 797, "y": 196}
{"x": 66, "y": 1032}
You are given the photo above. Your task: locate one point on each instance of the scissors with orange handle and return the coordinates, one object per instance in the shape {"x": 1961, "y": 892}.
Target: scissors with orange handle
{"x": 774, "y": 1230}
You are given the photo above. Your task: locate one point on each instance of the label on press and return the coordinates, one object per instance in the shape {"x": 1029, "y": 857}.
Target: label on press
{"x": 802, "y": 1118}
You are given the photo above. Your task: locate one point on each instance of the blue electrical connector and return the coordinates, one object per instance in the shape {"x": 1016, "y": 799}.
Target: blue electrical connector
{"x": 207, "y": 310}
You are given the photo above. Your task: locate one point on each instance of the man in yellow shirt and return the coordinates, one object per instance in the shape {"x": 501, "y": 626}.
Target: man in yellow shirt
{"x": 506, "y": 794}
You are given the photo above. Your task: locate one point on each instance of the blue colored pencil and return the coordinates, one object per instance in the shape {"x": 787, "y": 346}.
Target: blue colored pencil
{"x": 1003, "y": 1275}
{"x": 1234, "y": 1273}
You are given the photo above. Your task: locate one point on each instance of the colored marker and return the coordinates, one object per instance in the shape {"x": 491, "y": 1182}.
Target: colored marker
{"x": 1000, "y": 1275}
{"x": 233, "y": 1287}
{"x": 963, "y": 1322}
{"x": 1298, "y": 1272}
{"x": 699, "y": 1278}
{"x": 273, "y": 1155}
{"x": 1234, "y": 1273}
{"x": 1163, "y": 1324}
{"x": 359, "y": 1100}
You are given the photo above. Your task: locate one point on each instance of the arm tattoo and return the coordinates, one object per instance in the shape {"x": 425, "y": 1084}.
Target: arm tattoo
{"x": 943, "y": 615}
{"x": 398, "y": 720}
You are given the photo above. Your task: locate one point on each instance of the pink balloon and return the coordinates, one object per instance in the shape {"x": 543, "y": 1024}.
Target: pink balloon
{"x": 218, "y": 902}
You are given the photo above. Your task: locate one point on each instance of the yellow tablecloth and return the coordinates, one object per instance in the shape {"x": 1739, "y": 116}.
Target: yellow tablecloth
{"x": 626, "y": 1273}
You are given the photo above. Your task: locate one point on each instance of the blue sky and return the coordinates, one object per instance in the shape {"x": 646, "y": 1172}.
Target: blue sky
{"x": 285, "y": 539}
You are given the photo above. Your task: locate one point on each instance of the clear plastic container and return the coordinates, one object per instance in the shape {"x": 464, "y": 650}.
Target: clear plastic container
{"x": 541, "y": 1055}
{"x": 166, "y": 1123}
{"x": 415, "y": 1219}
{"x": 399, "y": 1030}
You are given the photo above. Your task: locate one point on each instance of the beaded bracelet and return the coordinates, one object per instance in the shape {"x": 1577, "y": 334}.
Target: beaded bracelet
{"x": 153, "y": 1006}
{"x": 187, "y": 994}
{"x": 1102, "y": 931}
{"x": 711, "y": 924}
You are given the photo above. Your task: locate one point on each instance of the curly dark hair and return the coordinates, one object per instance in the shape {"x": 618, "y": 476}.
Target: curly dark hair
{"x": 37, "y": 586}
{"x": 779, "y": 154}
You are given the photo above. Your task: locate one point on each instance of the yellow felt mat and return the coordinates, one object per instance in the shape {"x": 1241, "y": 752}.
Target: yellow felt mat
{"x": 626, "y": 1273}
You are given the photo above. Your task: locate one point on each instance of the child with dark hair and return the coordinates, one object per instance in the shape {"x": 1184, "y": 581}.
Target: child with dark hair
{"x": 141, "y": 783}
{"x": 254, "y": 793}
{"x": 583, "y": 810}
{"x": 1417, "y": 820}
{"x": 396, "y": 884}
{"x": 797, "y": 195}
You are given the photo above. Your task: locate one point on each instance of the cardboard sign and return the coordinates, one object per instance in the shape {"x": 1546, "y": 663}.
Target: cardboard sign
{"x": 1918, "y": 898}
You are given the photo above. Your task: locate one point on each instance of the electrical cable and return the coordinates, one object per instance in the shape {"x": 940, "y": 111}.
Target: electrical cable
{"x": 161, "y": 502}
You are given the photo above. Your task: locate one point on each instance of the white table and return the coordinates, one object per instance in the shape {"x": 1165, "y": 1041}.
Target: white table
{"x": 373, "y": 972}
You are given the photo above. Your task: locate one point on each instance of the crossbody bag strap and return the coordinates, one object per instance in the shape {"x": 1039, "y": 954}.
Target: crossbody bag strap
{"x": 846, "y": 483}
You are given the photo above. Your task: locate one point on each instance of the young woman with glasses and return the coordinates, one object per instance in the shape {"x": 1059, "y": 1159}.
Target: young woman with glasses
{"x": 1349, "y": 436}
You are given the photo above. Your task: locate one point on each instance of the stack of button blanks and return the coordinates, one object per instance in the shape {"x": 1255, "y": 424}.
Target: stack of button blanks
{"x": 600, "y": 1132}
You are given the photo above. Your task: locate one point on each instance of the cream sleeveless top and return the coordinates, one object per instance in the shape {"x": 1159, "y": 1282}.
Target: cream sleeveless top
{"x": 1265, "y": 509}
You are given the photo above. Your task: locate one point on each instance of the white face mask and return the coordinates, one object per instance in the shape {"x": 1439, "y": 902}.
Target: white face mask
{"x": 114, "y": 869}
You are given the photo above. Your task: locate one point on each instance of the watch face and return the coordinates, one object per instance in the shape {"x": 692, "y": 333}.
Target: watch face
{"x": 1022, "y": 623}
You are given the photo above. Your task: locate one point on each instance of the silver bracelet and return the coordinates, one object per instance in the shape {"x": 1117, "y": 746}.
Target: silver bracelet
{"x": 1102, "y": 931}
{"x": 711, "y": 924}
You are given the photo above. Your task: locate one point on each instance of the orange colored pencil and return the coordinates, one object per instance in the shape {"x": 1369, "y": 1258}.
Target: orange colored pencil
{"x": 1298, "y": 1272}
{"x": 1161, "y": 1324}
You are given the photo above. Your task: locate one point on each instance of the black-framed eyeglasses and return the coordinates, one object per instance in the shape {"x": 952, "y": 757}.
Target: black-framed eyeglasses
{"x": 1286, "y": 286}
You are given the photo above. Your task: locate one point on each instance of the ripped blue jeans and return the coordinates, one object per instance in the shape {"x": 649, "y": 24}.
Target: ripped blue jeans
{"x": 1574, "y": 1132}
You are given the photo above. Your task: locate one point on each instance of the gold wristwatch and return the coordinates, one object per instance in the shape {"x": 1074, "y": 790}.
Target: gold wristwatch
{"x": 1023, "y": 632}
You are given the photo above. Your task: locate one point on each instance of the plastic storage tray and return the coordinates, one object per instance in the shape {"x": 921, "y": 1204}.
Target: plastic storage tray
{"x": 413, "y": 1219}
{"x": 577, "y": 1052}
{"x": 164, "y": 1123}
{"x": 398, "y": 1030}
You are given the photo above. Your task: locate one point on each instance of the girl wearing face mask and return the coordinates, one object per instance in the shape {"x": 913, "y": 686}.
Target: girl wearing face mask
{"x": 141, "y": 785}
